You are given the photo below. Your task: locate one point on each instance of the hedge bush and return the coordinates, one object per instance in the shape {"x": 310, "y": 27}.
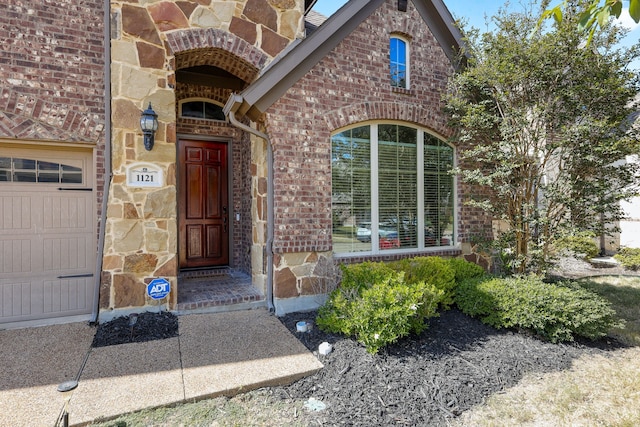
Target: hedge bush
{"x": 629, "y": 258}
{"x": 582, "y": 243}
{"x": 377, "y": 305}
{"x": 464, "y": 269}
{"x": 556, "y": 312}
{"x": 436, "y": 271}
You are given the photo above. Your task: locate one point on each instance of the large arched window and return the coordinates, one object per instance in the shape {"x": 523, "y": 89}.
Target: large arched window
{"x": 391, "y": 190}
{"x": 399, "y": 62}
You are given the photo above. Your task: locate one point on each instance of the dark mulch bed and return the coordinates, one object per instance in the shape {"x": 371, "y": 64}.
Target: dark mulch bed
{"x": 147, "y": 327}
{"x": 427, "y": 380}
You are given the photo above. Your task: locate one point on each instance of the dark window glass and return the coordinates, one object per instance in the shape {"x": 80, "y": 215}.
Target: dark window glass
{"x": 5, "y": 169}
{"x": 202, "y": 110}
{"x": 71, "y": 178}
{"x": 213, "y": 111}
{"x": 48, "y": 177}
{"x": 48, "y": 166}
{"x": 27, "y": 170}
{"x": 25, "y": 164}
{"x": 193, "y": 109}
{"x": 67, "y": 168}
{"x": 24, "y": 176}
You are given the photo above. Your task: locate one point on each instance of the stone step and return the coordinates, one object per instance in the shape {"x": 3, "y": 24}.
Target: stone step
{"x": 202, "y": 273}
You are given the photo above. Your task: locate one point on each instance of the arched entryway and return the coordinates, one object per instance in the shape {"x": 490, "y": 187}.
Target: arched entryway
{"x": 215, "y": 173}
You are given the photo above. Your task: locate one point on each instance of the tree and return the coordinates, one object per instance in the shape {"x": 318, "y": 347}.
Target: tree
{"x": 540, "y": 124}
{"x": 596, "y": 15}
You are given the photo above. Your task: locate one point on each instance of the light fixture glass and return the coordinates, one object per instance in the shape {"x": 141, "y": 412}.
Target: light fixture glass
{"x": 149, "y": 126}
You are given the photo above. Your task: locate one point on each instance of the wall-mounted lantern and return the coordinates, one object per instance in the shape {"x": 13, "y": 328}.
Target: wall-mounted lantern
{"x": 149, "y": 126}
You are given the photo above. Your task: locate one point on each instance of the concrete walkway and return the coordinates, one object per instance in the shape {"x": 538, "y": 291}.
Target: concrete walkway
{"x": 215, "y": 354}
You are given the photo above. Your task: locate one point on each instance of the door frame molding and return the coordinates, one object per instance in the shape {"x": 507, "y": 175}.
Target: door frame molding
{"x": 230, "y": 194}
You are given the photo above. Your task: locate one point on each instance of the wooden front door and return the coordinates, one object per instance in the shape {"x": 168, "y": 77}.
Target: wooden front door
{"x": 203, "y": 216}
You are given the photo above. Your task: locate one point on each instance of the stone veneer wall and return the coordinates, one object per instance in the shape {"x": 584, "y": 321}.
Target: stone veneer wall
{"x": 349, "y": 86}
{"x": 150, "y": 40}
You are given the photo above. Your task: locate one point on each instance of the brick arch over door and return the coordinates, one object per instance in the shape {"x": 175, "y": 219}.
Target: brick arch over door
{"x": 356, "y": 113}
{"x": 211, "y": 46}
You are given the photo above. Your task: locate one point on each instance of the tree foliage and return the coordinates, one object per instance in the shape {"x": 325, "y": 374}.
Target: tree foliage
{"x": 595, "y": 15}
{"x": 541, "y": 123}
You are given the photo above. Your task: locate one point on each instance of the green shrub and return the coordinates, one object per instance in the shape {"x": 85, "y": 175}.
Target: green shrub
{"x": 375, "y": 304}
{"x": 433, "y": 270}
{"x": 464, "y": 269}
{"x": 334, "y": 315}
{"x": 581, "y": 243}
{"x": 556, "y": 312}
{"x": 629, "y": 258}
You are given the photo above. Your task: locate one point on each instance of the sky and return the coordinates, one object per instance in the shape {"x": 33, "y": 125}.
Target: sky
{"x": 474, "y": 12}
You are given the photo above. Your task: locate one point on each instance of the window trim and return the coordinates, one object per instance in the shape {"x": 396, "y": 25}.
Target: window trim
{"x": 375, "y": 208}
{"x": 407, "y": 62}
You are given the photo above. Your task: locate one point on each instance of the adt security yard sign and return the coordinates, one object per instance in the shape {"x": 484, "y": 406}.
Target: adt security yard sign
{"x": 158, "y": 288}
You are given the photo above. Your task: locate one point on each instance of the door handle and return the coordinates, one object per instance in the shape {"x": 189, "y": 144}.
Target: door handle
{"x": 224, "y": 218}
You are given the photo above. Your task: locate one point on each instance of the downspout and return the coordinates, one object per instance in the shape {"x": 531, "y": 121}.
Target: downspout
{"x": 107, "y": 157}
{"x": 231, "y": 115}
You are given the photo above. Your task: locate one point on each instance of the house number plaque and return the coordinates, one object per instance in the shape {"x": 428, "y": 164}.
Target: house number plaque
{"x": 144, "y": 175}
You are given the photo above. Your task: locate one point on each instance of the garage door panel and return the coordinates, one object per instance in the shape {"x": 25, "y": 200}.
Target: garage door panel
{"x": 65, "y": 212}
{"x": 16, "y": 256}
{"x": 48, "y": 241}
{"x": 15, "y": 213}
{"x": 68, "y": 296}
{"x": 15, "y": 299}
{"x": 21, "y": 301}
{"x": 68, "y": 254}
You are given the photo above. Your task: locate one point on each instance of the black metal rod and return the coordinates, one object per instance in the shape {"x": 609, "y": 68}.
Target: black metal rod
{"x": 75, "y": 276}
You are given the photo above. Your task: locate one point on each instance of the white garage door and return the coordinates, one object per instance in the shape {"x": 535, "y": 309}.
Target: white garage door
{"x": 47, "y": 234}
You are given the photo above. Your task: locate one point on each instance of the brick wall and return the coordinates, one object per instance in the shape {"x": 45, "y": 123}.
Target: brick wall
{"x": 52, "y": 73}
{"x": 349, "y": 86}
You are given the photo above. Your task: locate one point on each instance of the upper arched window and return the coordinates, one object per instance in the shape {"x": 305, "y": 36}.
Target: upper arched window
{"x": 201, "y": 109}
{"x": 399, "y": 62}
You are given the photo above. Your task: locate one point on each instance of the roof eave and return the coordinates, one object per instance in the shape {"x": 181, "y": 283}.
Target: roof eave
{"x": 442, "y": 25}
